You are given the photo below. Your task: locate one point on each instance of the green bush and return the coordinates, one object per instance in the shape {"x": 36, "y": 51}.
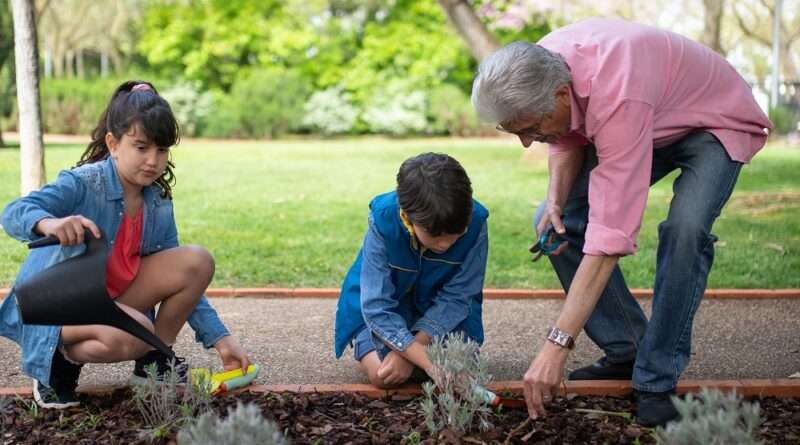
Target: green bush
{"x": 262, "y": 103}
{"x": 785, "y": 119}
{"x": 330, "y": 111}
{"x": 73, "y": 106}
{"x": 398, "y": 109}
{"x": 450, "y": 112}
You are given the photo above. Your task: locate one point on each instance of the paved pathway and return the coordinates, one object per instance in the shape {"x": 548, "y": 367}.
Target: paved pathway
{"x": 292, "y": 339}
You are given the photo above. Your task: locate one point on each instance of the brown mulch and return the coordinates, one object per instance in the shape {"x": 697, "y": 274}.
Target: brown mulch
{"x": 355, "y": 419}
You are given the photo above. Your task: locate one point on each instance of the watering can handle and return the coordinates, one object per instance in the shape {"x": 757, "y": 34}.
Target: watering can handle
{"x": 42, "y": 242}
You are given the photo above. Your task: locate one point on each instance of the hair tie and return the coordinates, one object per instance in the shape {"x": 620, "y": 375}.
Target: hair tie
{"x": 142, "y": 87}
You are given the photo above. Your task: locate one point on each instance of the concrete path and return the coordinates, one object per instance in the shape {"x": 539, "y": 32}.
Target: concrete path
{"x": 292, "y": 340}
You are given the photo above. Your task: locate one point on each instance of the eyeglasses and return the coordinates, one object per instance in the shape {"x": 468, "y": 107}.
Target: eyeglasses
{"x": 532, "y": 132}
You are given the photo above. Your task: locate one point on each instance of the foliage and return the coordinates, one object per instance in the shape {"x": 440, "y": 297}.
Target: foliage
{"x": 262, "y": 103}
{"x": 450, "y": 112}
{"x": 398, "y": 109}
{"x": 330, "y": 111}
{"x": 453, "y": 401}
{"x": 190, "y": 105}
{"x": 713, "y": 418}
{"x": 785, "y": 119}
{"x": 243, "y": 426}
{"x": 164, "y": 403}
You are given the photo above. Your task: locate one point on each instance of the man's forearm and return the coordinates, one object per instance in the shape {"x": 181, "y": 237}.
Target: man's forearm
{"x": 563, "y": 168}
{"x": 586, "y": 288}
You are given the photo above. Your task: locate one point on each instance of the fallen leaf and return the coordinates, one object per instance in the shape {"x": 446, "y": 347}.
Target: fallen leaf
{"x": 776, "y": 247}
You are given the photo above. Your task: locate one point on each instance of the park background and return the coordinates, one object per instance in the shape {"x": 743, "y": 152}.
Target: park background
{"x": 295, "y": 113}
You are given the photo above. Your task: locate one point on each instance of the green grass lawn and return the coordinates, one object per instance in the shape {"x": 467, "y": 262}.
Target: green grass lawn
{"x": 293, "y": 213}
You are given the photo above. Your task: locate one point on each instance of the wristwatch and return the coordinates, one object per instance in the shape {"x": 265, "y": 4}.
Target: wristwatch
{"x": 560, "y": 338}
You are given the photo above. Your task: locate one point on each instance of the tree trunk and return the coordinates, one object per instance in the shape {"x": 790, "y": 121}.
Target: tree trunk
{"x": 480, "y": 41}
{"x": 30, "y": 117}
{"x": 712, "y": 28}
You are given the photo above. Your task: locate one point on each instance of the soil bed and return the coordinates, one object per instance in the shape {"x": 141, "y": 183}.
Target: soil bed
{"x": 339, "y": 418}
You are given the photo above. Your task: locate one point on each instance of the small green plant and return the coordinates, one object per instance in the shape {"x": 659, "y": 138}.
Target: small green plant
{"x": 29, "y": 405}
{"x": 164, "y": 403}
{"x": 6, "y": 409}
{"x": 712, "y": 418}
{"x": 452, "y": 403}
{"x": 244, "y": 426}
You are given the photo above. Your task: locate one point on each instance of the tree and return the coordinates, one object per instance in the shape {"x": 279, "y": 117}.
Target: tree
{"x": 712, "y": 25}
{"x": 479, "y": 40}
{"x": 26, "y": 55}
{"x": 755, "y": 22}
{"x": 6, "y": 71}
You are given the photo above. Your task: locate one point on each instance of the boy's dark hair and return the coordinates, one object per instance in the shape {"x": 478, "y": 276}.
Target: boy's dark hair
{"x": 131, "y": 106}
{"x": 435, "y": 193}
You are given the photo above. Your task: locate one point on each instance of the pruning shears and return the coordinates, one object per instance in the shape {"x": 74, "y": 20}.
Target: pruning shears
{"x": 547, "y": 243}
{"x": 225, "y": 381}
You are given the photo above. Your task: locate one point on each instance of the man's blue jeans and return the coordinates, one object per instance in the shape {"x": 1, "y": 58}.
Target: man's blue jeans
{"x": 618, "y": 325}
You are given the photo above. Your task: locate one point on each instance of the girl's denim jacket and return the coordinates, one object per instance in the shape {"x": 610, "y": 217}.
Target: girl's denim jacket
{"x": 95, "y": 192}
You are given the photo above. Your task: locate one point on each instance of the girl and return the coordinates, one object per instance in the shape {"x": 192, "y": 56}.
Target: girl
{"x": 121, "y": 191}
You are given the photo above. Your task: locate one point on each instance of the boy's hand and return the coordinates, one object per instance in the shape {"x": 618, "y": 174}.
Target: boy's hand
{"x": 68, "y": 230}
{"x": 395, "y": 369}
{"x": 232, "y": 354}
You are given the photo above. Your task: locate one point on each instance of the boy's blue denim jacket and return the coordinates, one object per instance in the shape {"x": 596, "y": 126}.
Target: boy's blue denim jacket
{"x": 396, "y": 289}
{"x": 95, "y": 192}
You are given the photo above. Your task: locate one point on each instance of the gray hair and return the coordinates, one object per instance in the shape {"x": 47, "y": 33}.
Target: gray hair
{"x": 520, "y": 78}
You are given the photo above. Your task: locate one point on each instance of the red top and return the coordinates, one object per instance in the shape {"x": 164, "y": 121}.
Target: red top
{"x": 124, "y": 260}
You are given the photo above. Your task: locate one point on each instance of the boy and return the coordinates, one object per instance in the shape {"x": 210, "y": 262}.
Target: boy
{"x": 419, "y": 273}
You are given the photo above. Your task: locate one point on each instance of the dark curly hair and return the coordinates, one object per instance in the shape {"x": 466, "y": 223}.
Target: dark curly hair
{"x": 131, "y": 106}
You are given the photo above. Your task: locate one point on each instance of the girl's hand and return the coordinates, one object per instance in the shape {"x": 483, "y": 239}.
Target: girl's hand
{"x": 68, "y": 230}
{"x": 232, "y": 354}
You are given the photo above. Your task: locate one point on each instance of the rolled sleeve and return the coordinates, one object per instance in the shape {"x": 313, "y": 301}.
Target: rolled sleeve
{"x": 619, "y": 185}
{"x": 453, "y": 302}
{"x": 568, "y": 142}
{"x": 377, "y": 294}
{"x": 208, "y": 327}
{"x": 54, "y": 200}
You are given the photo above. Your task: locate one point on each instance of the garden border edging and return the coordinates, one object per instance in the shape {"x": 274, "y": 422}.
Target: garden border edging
{"x": 489, "y": 294}
{"x": 783, "y": 388}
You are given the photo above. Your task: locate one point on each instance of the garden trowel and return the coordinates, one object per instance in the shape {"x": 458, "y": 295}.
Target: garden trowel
{"x": 225, "y": 381}
{"x": 495, "y": 401}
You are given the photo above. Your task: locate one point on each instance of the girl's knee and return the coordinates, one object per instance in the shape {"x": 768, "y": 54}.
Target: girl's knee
{"x": 198, "y": 262}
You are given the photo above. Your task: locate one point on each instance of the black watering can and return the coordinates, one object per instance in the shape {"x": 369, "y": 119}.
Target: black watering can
{"x": 73, "y": 292}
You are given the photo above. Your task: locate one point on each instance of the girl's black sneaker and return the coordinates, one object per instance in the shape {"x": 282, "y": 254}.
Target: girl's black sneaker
{"x": 163, "y": 364}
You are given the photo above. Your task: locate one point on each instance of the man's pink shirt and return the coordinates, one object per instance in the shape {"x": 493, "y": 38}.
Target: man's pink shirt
{"x": 636, "y": 88}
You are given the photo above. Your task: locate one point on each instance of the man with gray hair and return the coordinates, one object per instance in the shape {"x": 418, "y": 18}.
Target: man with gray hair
{"x": 622, "y": 105}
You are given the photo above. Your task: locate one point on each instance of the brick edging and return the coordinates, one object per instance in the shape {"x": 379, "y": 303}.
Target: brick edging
{"x": 785, "y": 388}
{"x": 489, "y": 294}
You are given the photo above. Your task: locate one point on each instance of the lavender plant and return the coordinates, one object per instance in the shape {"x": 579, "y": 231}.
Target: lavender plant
{"x": 712, "y": 418}
{"x": 244, "y": 426}
{"x": 165, "y": 403}
{"x": 452, "y": 402}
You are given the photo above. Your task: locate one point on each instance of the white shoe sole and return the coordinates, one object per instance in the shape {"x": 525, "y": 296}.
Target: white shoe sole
{"x": 50, "y": 405}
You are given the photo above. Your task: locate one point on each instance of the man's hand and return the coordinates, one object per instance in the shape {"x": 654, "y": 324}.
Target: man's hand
{"x": 69, "y": 230}
{"x": 395, "y": 369}
{"x": 232, "y": 354}
{"x": 543, "y": 378}
{"x": 552, "y": 216}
